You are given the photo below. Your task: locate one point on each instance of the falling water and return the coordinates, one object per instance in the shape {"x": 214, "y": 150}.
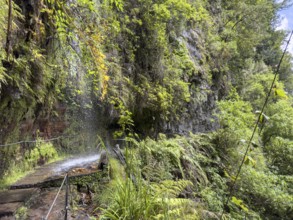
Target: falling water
{"x": 77, "y": 162}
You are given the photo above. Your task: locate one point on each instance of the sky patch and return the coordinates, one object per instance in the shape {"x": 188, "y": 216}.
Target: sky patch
{"x": 286, "y": 23}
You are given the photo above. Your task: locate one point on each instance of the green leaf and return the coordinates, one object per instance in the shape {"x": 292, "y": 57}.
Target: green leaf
{"x": 249, "y": 161}
{"x": 239, "y": 203}
{"x": 280, "y": 93}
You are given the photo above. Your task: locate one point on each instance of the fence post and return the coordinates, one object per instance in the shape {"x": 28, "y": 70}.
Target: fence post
{"x": 55, "y": 199}
{"x": 66, "y": 197}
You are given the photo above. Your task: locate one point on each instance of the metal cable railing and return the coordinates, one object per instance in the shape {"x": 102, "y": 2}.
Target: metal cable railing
{"x": 66, "y": 182}
{"x": 34, "y": 141}
{"x": 232, "y": 187}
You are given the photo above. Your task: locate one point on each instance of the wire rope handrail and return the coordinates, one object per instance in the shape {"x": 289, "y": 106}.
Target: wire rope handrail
{"x": 35, "y": 141}
{"x": 65, "y": 180}
{"x": 232, "y": 188}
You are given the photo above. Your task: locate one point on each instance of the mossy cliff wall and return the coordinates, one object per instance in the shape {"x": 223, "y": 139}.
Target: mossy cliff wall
{"x": 83, "y": 68}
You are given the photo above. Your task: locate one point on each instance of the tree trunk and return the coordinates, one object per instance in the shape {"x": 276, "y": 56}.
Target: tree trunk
{"x": 9, "y": 27}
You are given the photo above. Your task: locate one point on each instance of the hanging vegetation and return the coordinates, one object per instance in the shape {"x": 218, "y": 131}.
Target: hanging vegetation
{"x": 179, "y": 84}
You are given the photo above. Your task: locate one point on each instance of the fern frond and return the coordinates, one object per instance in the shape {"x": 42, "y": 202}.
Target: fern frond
{"x": 170, "y": 188}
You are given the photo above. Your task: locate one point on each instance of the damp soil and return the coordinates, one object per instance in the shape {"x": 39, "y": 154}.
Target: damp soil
{"x": 31, "y": 192}
{"x": 41, "y": 204}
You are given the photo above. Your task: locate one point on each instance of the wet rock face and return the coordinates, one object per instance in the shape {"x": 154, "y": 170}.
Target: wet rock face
{"x": 21, "y": 114}
{"x": 103, "y": 161}
{"x": 199, "y": 116}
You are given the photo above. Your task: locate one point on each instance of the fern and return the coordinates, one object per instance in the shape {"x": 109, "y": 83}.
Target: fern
{"x": 144, "y": 200}
{"x": 170, "y": 188}
{"x": 161, "y": 163}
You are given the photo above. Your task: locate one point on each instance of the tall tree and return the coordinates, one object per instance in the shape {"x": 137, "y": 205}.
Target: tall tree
{"x": 9, "y": 27}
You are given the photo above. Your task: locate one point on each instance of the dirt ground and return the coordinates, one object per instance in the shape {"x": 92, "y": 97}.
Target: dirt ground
{"x": 40, "y": 206}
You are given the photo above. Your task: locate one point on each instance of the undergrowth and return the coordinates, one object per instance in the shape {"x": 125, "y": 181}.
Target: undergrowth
{"x": 159, "y": 180}
{"x": 188, "y": 178}
{"x": 132, "y": 197}
{"x": 43, "y": 152}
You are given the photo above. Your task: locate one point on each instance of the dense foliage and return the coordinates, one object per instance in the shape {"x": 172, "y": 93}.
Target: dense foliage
{"x": 159, "y": 74}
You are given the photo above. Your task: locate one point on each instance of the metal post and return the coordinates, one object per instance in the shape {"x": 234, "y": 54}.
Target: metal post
{"x": 55, "y": 199}
{"x": 66, "y": 197}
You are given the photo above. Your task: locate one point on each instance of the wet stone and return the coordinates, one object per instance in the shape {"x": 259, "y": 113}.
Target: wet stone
{"x": 22, "y": 193}
{"x": 7, "y": 210}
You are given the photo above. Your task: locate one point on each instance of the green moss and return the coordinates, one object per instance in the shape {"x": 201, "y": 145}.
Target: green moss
{"x": 44, "y": 152}
{"x": 21, "y": 213}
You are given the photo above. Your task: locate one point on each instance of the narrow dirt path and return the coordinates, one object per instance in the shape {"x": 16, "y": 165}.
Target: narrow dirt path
{"x": 34, "y": 189}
